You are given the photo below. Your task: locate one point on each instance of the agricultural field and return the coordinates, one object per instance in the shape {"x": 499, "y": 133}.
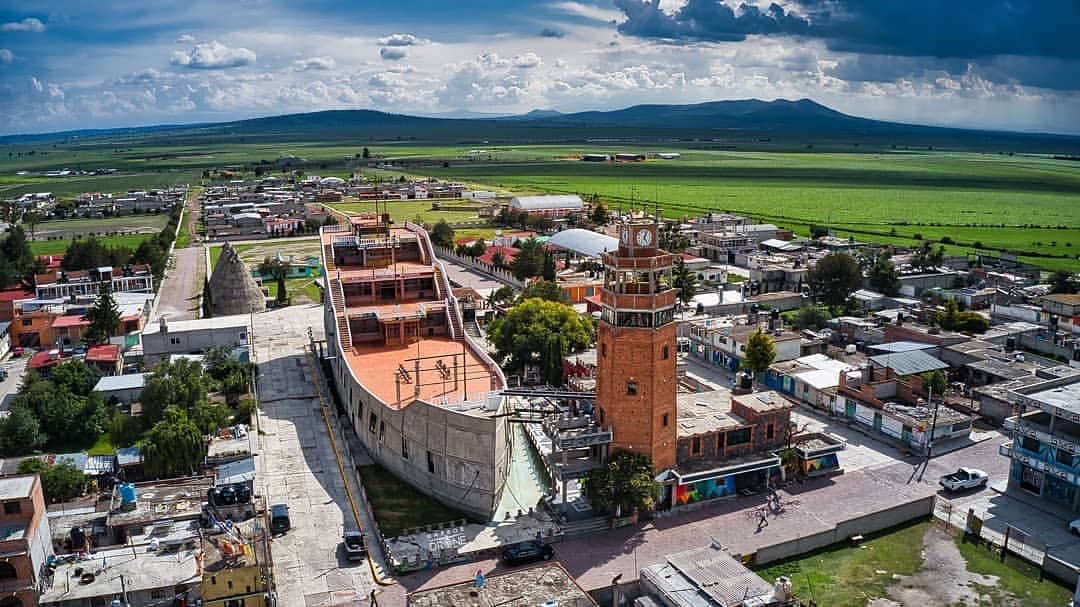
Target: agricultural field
{"x": 418, "y": 211}
{"x": 53, "y": 237}
{"x": 302, "y": 290}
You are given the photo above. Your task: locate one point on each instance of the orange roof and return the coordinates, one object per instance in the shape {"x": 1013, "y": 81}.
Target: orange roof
{"x": 103, "y": 353}
{"x": 70, "y": 320}
{"x": 43, "y": 359}
{"x": 13, "y": 294}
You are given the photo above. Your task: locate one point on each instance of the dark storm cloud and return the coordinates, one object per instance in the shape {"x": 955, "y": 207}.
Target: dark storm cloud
{"x": 547, "y": 32}
{"x": 912, "y": 28}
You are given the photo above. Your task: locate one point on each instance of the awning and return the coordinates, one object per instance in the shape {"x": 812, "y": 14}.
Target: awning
{"x": 728, "y": 470}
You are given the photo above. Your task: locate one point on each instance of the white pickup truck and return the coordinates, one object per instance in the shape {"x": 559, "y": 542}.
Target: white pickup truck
{"x": 964, "y": 478}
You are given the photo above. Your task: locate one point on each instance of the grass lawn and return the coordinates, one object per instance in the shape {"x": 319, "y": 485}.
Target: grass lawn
{"x": 54, "y": 247}
{"x": 408, "y": 210}
{"x": 103, "y": 446}
{"x": 847, "y": 577}
{"x": 1015, "y": 577}
{"x": 398, "y": 506}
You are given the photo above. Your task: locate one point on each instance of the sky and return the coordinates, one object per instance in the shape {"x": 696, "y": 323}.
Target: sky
{"x": 993, "y": 64}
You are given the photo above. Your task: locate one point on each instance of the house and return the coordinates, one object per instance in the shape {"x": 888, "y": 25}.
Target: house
{"x": 236, "y": 565}
{"x": 547, "y": 584}
{"x": 710, "y": 577}
{"x": 124, "y": 389}
{"x": 26, "y": 542}
{"x": 105, "y": 358}
{"x": 1044, "y": 460}
{"x": 43, "y": 361}
{"x": 193, "y": 336}
{"x": 811, "y": 380}
{"x": 722, "y": 342}
{"x": 60, "y": 284}
{"x": 145, "y": 577}
{"x": 1064, "y": 311}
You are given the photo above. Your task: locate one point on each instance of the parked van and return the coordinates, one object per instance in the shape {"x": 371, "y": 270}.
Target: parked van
{"x": 279, "y": 519}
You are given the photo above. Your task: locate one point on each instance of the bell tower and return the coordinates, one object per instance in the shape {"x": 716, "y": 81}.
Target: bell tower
{"x": 636, "y": 351}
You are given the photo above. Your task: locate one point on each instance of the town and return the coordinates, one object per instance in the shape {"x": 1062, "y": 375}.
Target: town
{"x": 586, "y": 372}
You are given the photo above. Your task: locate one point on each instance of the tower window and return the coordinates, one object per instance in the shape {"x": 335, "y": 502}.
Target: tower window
{"x": 665, "y": 353}
{"x": 603, "y": 350}
{"x": 664, "y": 420}
{"x": 631, "y": 388}
{"x": 769, "y": 432}
{"x": 695, "y": 446}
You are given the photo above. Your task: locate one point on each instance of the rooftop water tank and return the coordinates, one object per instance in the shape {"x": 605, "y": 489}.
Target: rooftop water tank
{"x": 127, "y": 493}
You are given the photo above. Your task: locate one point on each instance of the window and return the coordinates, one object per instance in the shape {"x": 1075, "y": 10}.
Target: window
{"x": 213, "y": 580}
{"x": 770, "y": 432}
{"x": 430, "y": 463}
{"x": 664, "y": 419}
{"x": 371, "y": 423}
{"x": 603, "y": 350}
{"x": 720, "y": 443}
{"x": 600, "y": 415}
{"x": 404, "y": 447}
{"x": 1063, "y": 457}
{"x": 1029, "y": 444}
{"x": 7, "y": 571}
{"x": 665, "y": 353}
{"x": 234, "y": 603}
{"x": 27, "y": 322}
{"x": 382, "y": 430}
{"x": 695, "y": 446}
{"x": 12, "y": 508}
{"x": 738, "y": 437}
{"x": 175, "y": 341}
{"x": 631, "y": 388}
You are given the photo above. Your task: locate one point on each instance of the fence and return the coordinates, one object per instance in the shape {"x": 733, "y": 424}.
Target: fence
{"x": 503, "y": 276}
{"x": 845, "y": 530}
{"x": 1012, "y": 540}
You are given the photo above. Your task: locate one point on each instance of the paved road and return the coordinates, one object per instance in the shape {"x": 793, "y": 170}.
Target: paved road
{"x": 180, "y": 293}
{"x": 297, "y": 466}
{"x": 16, "y": 368}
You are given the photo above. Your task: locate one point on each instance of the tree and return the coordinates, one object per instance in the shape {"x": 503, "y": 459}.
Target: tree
{"x": 104, "y": 317}
{"x": 624, "y": 485}
{"x": 936, "y": 382}
{"x": 207, "y": 300}
{"x": 59, "y": 482}
{"x": 16, "y": 259}
{"x": 833, "y": 279}
{"x": 366, "y": 153}
{"x": 20, "y": 431}
{"x": 32, "y": 219}
{"x": 548, "y": 270}
{"x": 521, "y": 338}
{"x": 809, "y": 317}
{"x": 477, "y": 249}
{"x": 173, "y": 446}
{"x": 442, "y": 234}
{"x": 599, "y": 214}
{"x": 529, "y": 260}
{"x": 883, "y": 275}
{"x": 282, "y": 293}
{"x": 685, "y": 281}
{"x": 760, "y": 352}
{"x": 501, "y": 295}
{"x": 180, "y": 384}
{"x": 543, "y": 289}
{"x": 1062, "y": 282}
{"x": 498, "y": 260}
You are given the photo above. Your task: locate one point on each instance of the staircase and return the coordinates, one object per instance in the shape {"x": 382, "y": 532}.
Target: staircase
{"x": 337, "y": 296}
{"x": 588, "y": 526}
{"x": 473, "y": 330}
{"x": 456, "y": 330}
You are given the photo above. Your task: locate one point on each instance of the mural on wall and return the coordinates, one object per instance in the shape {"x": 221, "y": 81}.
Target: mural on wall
{"x": 818, "y": 464}
{"x": 704, "y": 490}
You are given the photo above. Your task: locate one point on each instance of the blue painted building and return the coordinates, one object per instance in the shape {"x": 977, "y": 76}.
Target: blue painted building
{"x": 1045, "y": 450}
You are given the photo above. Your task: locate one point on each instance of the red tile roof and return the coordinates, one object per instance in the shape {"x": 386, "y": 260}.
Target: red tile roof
{"x": 509, "y": 253}
{"x": 106, "y": 353}
{"x": 13, "y": 294}
{"x": 70, "y": 320}
{"x": 43, "y": 359}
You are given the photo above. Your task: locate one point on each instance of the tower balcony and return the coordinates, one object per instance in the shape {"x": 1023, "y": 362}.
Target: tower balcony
{"x": 614, "y": 262}
{"x": 663, "y": 299}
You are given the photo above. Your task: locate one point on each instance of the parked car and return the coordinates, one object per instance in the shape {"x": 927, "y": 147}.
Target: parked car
{"x": 279, "y": 519}
{"x": 355, "y": 549}
{"x": 527, "y": 552}
{"x": 964, "y": 478}
{"x": 3, "y": 374}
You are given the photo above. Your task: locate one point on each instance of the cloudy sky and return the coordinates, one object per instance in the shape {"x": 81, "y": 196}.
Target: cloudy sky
{"x": 1001, "y": 64}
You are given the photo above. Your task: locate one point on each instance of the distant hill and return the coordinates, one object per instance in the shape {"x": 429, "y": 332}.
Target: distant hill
{"x": 744, "y": 122}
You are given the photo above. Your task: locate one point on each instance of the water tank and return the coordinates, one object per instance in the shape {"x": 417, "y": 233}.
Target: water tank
{"x": 228, "y": 495}
{"x": 213, "y": 496}
{"x": 1010, "y": 343}
{"x": 850, "y": 349}
{"x": 78, "y": 539}
{"x": 127, "y": 494}
{"x": 243, "y": 493}
{"x": 746, "y": 382}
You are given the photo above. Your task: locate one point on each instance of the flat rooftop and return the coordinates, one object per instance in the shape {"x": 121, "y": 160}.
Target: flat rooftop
{"x": 1066, "y": 398}
{"x": 233, "y": 321}
{"x": 241, "y": 546}
{"x": 15, "y": 487}
{"x": 141, "y": 570}
{"x": 359, "y": 273}
{"x": 764, "y": 402}
{"x": 527, "y": 587}
{"x": 706, "y": 412}
{"x": 180, "y": 499}
{"x": 377, "y": 366}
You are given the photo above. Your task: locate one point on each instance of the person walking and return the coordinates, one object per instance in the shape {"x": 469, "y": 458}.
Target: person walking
{"x": 763, "y": 519}
{"x": 371, "y": 599}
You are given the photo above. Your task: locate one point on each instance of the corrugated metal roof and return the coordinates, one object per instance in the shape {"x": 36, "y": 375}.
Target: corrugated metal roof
{"x": 902, "y": 346}
{"x": 584, "y": 242}
{"x": 708, "y": 571}
{"x": 132, "y": 381}
{"x": 909, "y": 363}
{"x": 540, "y": 203}
{"x": 128, "y": 456}
{"x": 236, "y": 472}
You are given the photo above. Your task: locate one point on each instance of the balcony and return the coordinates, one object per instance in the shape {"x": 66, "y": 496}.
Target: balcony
{"x": 662, "y": 299}
{"x": 1036, "y": 425}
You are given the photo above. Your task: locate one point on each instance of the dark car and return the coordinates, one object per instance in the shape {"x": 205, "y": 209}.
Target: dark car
{"x": 527, "y": 552}
{"x": 279, "y": 519}
{"x": 355, "y": 549}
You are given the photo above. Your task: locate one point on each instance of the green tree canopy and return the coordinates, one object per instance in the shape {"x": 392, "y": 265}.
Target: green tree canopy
{"x": 685, "y": 281}
{"x": 760, "y": 352}
{"x": 178, "y": 384}
{"x": 1062, "y": 282}
{"x": 503, "y": 294}
{"x": 543, "y": 289}
{"x": 599, "y": 214}
{"x": 67, "y": 411}
{"x": 548, "y": 271}
{"x": 529, "y": 260}
{"x": 16, "y": 260}
{"x": 834, "y": 278}
{"x": 59, "y": 482}
{"x": 807, "y": 317}
{"x": 442, "y": 234}
{"x": 523, "y": 336}
{"x": 883, "y": 275}
{"x": 173, "y": 446}
{"x": 936, "y": 381}
{"x": 625, "y": 484}
{"x": 104, "y": 317}
{"x": 20, "y": 431}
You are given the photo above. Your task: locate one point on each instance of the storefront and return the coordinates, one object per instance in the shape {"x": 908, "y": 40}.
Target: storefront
{"x": 686, "y": 487}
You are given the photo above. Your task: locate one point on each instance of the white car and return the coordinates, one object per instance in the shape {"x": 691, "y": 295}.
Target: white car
{"x": 964, "y": 478}
{"x": 1074, "y": 527}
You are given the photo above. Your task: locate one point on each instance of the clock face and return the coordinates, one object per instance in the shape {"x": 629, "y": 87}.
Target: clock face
{"x": 644, "y": 238}
{"x": 625, "y": 236}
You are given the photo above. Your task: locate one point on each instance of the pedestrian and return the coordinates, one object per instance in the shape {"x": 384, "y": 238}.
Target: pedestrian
{"x": 763, "y": 520}
{"x": 371, "y": 599}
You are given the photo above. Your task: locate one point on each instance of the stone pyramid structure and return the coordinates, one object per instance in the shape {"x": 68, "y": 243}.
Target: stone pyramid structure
{"x": 233, "y": 289}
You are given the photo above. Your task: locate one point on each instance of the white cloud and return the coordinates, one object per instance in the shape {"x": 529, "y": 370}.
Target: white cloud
{"x": 401, "y": 40}
{"x": 213, "y": 55}
{"x": 6, "y": 56}
{"x": 386, "y": 80}
{"x": 185, "y": 39}
{"x": 392, "y": 54}
{"x": 314, "y": 63}
{"x": 588, "y": 11}
{"x": 30, "y": 24}
{"x": 527, "y": 61}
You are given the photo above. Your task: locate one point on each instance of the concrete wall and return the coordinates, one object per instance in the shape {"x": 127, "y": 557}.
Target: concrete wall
{"x": 863, "y": 525}
{"x": 503, "y": 276}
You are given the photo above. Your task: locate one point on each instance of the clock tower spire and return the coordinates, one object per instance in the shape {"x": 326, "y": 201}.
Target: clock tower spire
{"x": 636, "y": 386}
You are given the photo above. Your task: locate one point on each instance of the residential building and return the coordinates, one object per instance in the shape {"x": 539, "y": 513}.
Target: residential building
{"x": 236, "y": 565}
{"x": 162, "y": 340}
{"x": 61, "y": 284}
{"x": 124, "y": 389}
{"x": 144, "y": 576}
{"x": 1045, "y": 450}
{"x": 548, "y": 584}
{"x": 722, "y": 341}
{"x": 1063, "y": 310}
{"x": 26, "y": 541}
{"x": 810, "y": 380}
{"x": 710, "y": 577}
{"x": 423, "y": 397}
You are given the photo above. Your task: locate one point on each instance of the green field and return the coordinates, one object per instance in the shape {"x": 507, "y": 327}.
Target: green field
{"x": 1026, "y": 204}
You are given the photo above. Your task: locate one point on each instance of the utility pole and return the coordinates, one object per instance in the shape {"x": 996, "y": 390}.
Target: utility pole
{"x": 933, "y": 427}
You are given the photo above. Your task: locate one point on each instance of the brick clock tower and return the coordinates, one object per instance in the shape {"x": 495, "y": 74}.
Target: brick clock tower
{"x": 636, "y": 351}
